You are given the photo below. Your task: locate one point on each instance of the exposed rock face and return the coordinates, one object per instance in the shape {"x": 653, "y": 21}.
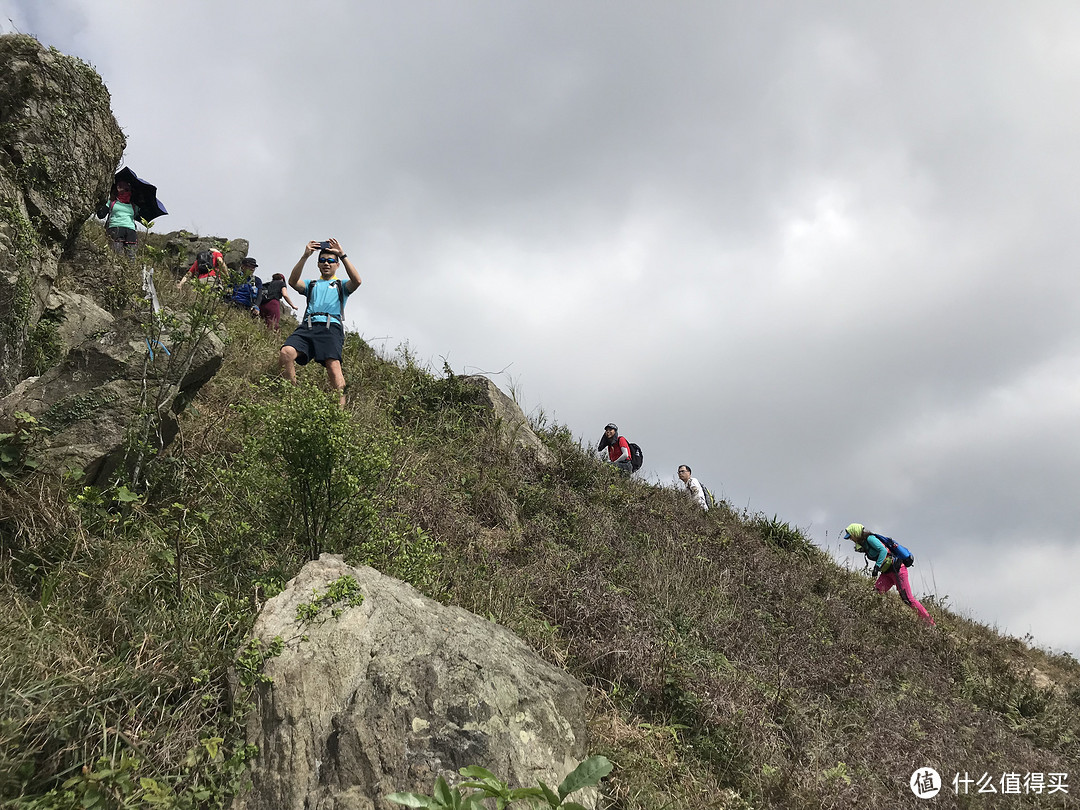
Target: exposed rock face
{"x": 110, "y": 389}
{"x": 511, "y": 419}
{"x": 59, "y": 146}
{"x": 65, "y": 298}
{"x": 395, "y": 691}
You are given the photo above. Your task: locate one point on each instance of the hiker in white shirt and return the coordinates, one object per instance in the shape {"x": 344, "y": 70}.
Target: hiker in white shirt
{"x": 693, "y": 486}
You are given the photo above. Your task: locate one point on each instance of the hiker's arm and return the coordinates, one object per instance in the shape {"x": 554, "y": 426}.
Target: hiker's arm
{"x": 625, "y": 447}
{"x": 294, "y": 276}
{"x": 187, "y": 276}
{"x": 878, "y": 548}
{"x": 285, "y": 295}
{"x": 354, "y": 276}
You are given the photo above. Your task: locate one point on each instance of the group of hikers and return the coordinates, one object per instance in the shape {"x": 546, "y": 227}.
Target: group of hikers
{"x": 320, "y": 336}
{"x": 890, "y": 559}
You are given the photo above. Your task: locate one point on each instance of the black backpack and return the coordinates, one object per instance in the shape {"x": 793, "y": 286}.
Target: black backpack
{"x": 204, "y": 259}
{"x": 637, "y": 458}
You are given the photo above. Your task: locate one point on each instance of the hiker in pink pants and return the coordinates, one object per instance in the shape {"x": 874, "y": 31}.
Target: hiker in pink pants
{"x": 891, "y": 571}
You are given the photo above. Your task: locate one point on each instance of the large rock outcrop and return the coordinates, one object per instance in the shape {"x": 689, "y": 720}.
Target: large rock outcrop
{"x": 59, "y": 147}
{"x": 181, "y": 247}
{"x": 507, "y": 414}
{"x": 80, "y": 349}
{"x": 386, "y": 695}
{"x": 111, "y": 394}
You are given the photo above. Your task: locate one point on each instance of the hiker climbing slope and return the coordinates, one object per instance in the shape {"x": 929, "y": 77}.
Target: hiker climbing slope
{"x": 888, "y": 557}
{"x": 206, "y": 267}
{"x": 242, "y": 288}
{"x": 269, "y": 301}
{"x": 694, "y": 487}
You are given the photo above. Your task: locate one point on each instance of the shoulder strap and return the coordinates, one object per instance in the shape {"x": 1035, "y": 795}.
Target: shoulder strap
{"x": 307, "y": 295}
{"x": 341, "y": 299}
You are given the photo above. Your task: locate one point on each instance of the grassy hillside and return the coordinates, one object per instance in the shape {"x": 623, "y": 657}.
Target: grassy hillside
{"x": 732, "y": 664}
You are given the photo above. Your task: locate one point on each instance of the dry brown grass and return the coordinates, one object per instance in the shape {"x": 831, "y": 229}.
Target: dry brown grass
{"x": 731, "y": 663}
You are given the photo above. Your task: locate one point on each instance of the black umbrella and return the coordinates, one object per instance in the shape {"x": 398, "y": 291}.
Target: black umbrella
{"x": 143, "y": 195}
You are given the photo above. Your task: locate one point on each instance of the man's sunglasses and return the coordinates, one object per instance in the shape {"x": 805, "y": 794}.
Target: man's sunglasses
{"x": 327, "y": 260}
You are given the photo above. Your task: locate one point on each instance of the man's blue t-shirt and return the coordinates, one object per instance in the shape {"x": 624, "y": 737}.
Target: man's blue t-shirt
{"x": 323, "y": 297}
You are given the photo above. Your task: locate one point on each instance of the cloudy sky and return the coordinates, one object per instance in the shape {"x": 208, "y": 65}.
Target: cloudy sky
{"x": 818, "y": 251}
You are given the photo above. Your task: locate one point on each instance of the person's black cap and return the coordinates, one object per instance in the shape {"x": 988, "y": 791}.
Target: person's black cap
{"x": 611, "y": 426}
{"x": 249, "y": 261}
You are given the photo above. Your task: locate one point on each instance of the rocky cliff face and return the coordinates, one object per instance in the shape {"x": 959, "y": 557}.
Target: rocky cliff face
{"x": 59, "y": 147}
{"x": 386, "y": 690}
{"x": 79, "y": 350}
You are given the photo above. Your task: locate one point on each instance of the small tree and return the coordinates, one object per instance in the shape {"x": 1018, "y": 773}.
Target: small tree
{"x": 327, "y": 471}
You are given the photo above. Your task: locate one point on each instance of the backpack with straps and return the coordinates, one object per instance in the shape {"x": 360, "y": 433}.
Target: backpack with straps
{"x": 246, "y": 293}
{"x": 710, "y": 499}
{"x": 637, "y": 458}
{"x": 901, "y": 553}
{"x": 204, "y": 261}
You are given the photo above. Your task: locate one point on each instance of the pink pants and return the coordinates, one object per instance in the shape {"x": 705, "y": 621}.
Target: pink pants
{"x": 900, "y": 580}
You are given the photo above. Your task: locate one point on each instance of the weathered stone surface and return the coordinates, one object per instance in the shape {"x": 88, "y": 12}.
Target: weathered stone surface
{"x": 59, "y": 146}
{"x": 107, "y": 388}
{"x": 510, "y": 418}
{"x": 66, "y": 299}
{"x": 394, "y": 692}
{"x": 78, "y": 316}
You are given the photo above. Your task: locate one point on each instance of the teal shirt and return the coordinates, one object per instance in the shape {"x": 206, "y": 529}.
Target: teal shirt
{"x": 874, "y": 548}
{"x": 121, "y": 215}
{"x": 324, "y": 299}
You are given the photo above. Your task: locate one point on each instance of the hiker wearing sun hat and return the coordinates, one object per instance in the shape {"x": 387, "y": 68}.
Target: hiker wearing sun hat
{"x": 890, "y": 564}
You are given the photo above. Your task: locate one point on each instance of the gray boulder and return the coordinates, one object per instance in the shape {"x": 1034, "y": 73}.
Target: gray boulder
{"x": 393, "y": 692}
{"x": 109, "y": 390}
{"x": 508, "y": 415}
{"x": 66, "y": 300}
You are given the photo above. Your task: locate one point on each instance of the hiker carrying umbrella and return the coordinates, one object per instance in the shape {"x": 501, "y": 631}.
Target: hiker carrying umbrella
{"x": 130, "y": 200}
{"x": 891, "y": 571}
{"x": 120, "y": 215}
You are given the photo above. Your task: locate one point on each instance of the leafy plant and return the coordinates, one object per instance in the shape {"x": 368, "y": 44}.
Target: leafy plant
{"x": 17, "y": 446}
{"x": 343, "y": 589}
{"x": 325, "y": 470}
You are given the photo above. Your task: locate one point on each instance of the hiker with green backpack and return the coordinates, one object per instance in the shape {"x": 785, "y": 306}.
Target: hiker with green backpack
{"x": 891, "y": 561}
{"x": 321, "y": 333}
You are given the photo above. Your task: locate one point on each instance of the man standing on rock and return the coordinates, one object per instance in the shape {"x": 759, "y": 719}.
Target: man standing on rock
{"x": 321, "y": 333}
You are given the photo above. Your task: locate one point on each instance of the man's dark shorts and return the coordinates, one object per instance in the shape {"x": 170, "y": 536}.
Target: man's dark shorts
{"x": 317, "y": 342}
